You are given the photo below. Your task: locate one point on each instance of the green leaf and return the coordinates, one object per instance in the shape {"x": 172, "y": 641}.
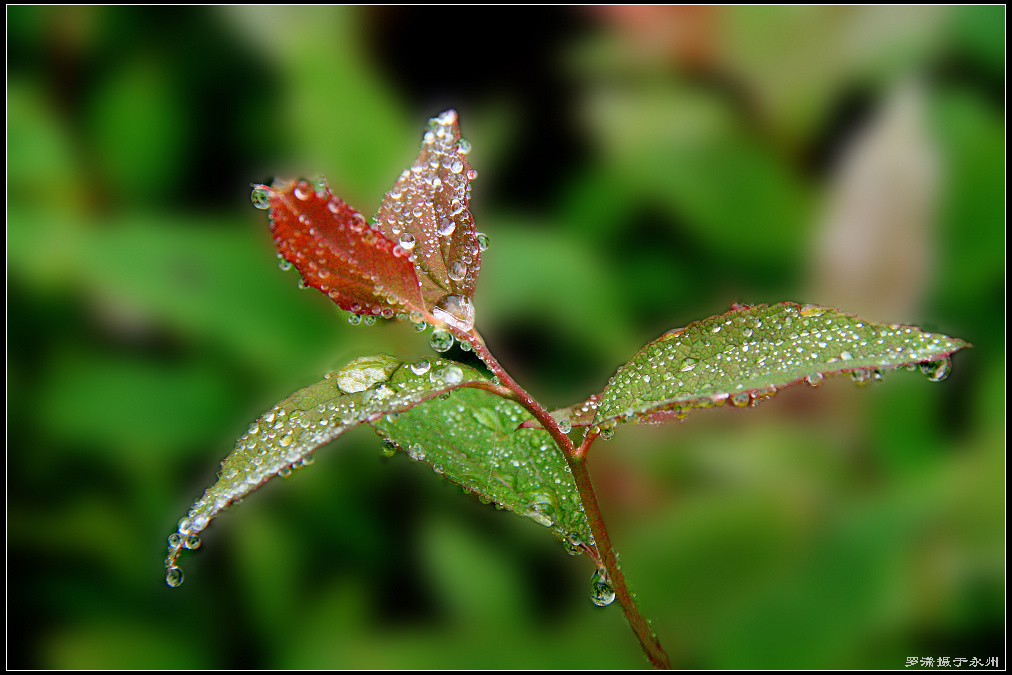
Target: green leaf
{"x": 473, "y": 438}
{"x": 749, "y": 353}
{"x": 284, "y": 437}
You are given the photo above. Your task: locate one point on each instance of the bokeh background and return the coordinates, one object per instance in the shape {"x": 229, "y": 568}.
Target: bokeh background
{"x": 640, "y": 168}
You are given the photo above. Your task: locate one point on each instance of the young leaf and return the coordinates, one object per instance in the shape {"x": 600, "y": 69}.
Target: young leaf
{"x": 337, "y": 252}
{"x": 472, "y": 438}
{"x": 284, "y": 437}
{"x": 749, "y": 353}
{"x": 426, "y": 212}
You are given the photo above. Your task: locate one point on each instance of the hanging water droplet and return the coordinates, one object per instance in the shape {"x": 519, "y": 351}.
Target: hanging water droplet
{"x": 322, "y": 191}
{"x": 457, "y": 270}
{"x": 174, "y": 577}
{"x": 354, "y": 319}
{"x": 175, "y": 540}
{"x": 369, "y": 320}
{"x": 441, "y": 340}
{"x": 483, "y": 241}
{"x": 608, "y": 433}
{"x": 741, "y": 399}
{"x": 860, "y": 377}
{"x": 261, "y": 197}
{"x": 814, "y": 379}
{"x": 565, "y": 426}
{"x": 388, "y": 449}
{"x": 463, "y": 146}
{"x": 420, "y": 367}
{"x": 601, "y": 592}
{"x": 936, "y": 371}
{"x": 192, "y": 541}
{"x": 284, "y": 265}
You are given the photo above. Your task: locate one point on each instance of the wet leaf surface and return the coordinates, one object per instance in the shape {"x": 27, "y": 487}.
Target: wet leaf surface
{"x": 747, "y": 354}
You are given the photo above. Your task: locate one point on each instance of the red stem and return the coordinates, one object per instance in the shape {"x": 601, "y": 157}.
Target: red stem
{"x": 575, "y": 457}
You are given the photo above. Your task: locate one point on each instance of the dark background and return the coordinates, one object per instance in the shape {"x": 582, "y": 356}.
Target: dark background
{"x": 640, "y": 168}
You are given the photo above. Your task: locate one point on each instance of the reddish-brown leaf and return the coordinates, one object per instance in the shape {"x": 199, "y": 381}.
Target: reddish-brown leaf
{"x": 426, "y": 212}
{"x": 338, "y": 252}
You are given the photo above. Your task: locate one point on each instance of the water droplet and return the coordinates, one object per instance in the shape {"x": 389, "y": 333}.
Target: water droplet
{"x": 608, "y": 433}
{"x": 741, "y": 399}
{"x": 814, "y": 379}
{"x": 284, "y": 265}
{"x": 860, "y": 377}
{"x": 455, "y": 310}
{"x": 354, "y": 319}
{"x": 416, "y": 451}
{"x": 483, "y": 241}
{"x": 388, "y": 449}
{"x": 542, "y": 509}
{"x": 688, "y": 364}
{"x": 303, "y": 189}
{"x": 457, "y": 271}
{"x": 937, "y": 371}
{"x": 565, "y": 426}
{"x": 463, "y": 146}
{"x": 452, "y": 374}
{"x": 601, "y": 592}
{"x": 261, "y": 197}
{"x": 845, "y": 356}
{"x": 445, "y": 227}
{"x": 192, "y": 542}
{"x": 471, "y": 174}
{"x": 420, "y": 367}
{"x": 441, "y": 340}
{"x": 174, "y": 577}
{"x": 456, "y": 166}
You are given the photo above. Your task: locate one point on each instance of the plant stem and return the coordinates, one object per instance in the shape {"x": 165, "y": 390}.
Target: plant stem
{"x": 576, "y": 459}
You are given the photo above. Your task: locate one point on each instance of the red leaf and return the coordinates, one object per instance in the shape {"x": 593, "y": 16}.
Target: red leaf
{"x": 426, "y": 211}
{"x": 338, "y": 252}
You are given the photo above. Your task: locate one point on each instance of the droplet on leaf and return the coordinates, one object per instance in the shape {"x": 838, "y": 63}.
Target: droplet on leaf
{"x": 936, "y": 371}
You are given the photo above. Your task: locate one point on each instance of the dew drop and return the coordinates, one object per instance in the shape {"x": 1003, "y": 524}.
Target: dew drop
{"x": 261, "y": 197}
{"x": 457, "y": 271}
{"x": 192, "y": 542}
{"x": 284, "y": 265}
{"x": 601, "y": 592}
{"x": 463, "y": 146}
{"x": 608, "y": 433}
{"x": 420, "y": 367}
{"x": 741, "y": 399}
{"x": 354, "y": 319}
{"x": 456, "y": 166}
{"x": 303, "y": 189}
{"x": 936, "y": 371}
{"x": 174, "y": 577}
{"x": 388, "y": 449}
{"x": 452, "y": 374}
{"x": 565, "y": 426}
{"x": 860, "y": 377}
{"x": 455, "y": 310}
{"x": 441, "y": 340}
{"x": 814, "y": 379}
{"x": 483, "y": 241}
{"x": 445, "y": 227}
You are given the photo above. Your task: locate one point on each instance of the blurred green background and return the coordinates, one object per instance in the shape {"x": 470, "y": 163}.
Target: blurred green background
{"x": 640, "y": 168}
